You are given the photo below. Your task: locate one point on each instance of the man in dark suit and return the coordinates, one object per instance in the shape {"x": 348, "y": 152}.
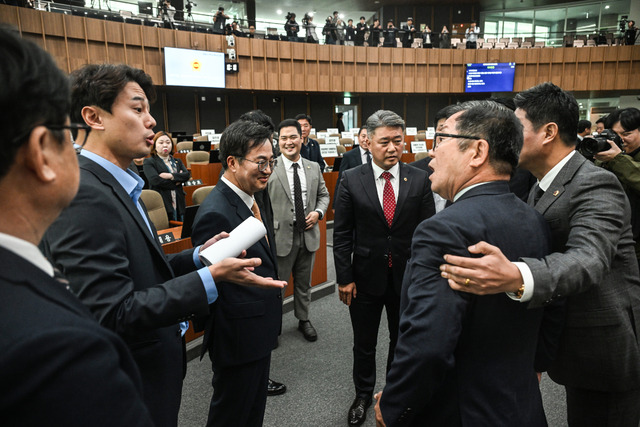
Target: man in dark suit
{"x": 593, "y": 265}
{"x": 58, "y": 366}
{"x": 378, "y": 208}
{"x": 107, "y": 247}
{"x": 456, "y": 352}
{"x": 310, "y": 148}
{"x": 355, "y": 157}
{"x": 244, "y": 323}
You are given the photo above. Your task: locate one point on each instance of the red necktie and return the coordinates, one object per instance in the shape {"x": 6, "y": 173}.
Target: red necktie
{"x": 388, "y": 202}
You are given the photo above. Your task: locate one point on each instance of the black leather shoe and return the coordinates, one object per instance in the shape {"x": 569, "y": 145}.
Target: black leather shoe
{"x": 307, "y": 330}
{"x": 358, "y": 410}
{"x": 275, "y": 388}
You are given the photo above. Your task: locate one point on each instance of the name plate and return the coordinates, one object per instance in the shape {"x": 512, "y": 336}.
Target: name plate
{"x": 193, "y": 182}
{"x": 328, "y": 150}
{"x": 412, "y": 131}
{"x": 332, "y": 140}
{"x": 312, "y": 131}
{"x": 430, "y": 133}
{"x": 418, "y": 147}
{"x": 166, "y": 238}
{"x": 347, "y": 135}
{"x": 332, "y": 130}
{"x": 323, "y": 135}
{"x": 208, "y": 132}
{"x": 355, "y": 130}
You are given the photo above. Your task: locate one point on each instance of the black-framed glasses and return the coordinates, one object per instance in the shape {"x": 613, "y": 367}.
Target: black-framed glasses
{"x": 262, "y": 164}
{"x": 438, "y": 135}
{"x": 74, "y": 128}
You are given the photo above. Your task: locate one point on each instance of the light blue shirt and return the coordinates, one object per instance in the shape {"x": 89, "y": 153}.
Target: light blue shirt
{"x": 133, "y": 184}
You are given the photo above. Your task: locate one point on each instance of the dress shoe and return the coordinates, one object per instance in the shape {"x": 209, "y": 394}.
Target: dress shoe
{"x": 275, "y": 388}
{"x": 307, "y": 330}
{"x": 358, "y": 410}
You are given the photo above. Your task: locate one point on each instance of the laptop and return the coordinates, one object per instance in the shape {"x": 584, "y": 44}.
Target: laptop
{"x": 187, "y": 223}
{"x": 201, "y": 145}
{"x": 181, "y": 138}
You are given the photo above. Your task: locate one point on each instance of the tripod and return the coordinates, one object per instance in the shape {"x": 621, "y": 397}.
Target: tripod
{"x": 106, "y": 3}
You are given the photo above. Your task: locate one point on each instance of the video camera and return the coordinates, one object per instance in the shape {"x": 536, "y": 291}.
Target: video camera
{"x": 190, "y": 5}
{"x": 592, "y": 145}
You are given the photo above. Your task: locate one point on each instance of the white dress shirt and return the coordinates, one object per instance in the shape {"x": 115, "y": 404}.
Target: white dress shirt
{"x": 288, "y": 167}
{"x": 380, "y": 181}
{"x": 247, "y": 199}
{"x": 363, "y": 155}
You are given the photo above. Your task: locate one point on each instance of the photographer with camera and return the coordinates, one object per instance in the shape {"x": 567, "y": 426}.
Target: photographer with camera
{"x": 291, "y": 27}
{"x": 310, "y": 28}
{"x": 168, "y": 12}
{"x": 630, "y": 33}
{"x": 624, "y": 161}
{"x": 219, "y": 21}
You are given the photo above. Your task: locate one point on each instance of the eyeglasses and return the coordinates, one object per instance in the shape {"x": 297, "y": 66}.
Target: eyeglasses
{"x": 262, "y": 164}
{"x": 437, "y": 137}
{"x": 74, "y": 128}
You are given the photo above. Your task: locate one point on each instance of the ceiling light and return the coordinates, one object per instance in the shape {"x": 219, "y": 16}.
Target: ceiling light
{"x": 279, "y": 11}
{"x": 310, "y": 13}
{"x": 606, "y": 7}
{"x": 341, "y": 16}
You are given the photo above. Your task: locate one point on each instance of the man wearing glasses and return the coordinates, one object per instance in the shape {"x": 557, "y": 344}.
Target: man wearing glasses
{"x": 462, "y": 359}
{"x": 244, "y": 323}
{"x": 106, "y": 246}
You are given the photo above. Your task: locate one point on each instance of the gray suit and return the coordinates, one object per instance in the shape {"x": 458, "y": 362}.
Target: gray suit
{"x": 593, "y": 261}
{"x": 296, "y": 250}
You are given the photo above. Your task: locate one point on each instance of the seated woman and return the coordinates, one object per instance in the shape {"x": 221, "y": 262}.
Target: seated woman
{"x": 166, "y": 175}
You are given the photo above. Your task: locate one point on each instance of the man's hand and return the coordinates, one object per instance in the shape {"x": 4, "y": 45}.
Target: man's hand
{"x": 240, "y": 271}
{"x": 379, "y": 420}
{"x": 166, "y": 175}
{"x": 605, "y": 156}
{"x": 214, "y": 239}
{"x": 491, "y": 274}
{"x": 347, "y": 292}
{"x": 311, "y": 220}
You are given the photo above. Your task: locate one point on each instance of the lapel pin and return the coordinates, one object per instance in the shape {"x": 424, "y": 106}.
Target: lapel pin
{"x": 555, "y": 193}
{"x": 405, "y": 180}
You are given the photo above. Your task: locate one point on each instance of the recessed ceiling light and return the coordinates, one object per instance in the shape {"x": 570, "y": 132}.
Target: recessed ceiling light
{"x": 279, "y": 11}
{"x": 606, "y": 7}
{"x": 341, "y": 16}
{"x": 310, "y": 13}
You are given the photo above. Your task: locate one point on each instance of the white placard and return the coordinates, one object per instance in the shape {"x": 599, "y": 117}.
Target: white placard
{"x": 430, "y": 132}
{"x": 208, "y": 132}
{"x": 412, "y": 131}
{"x": 333, "y": 130}
{"x": 242, "y": 237}
{"x": 418, "y": 147}
{"x": 312, "y": 131}
{"x": 355, "y": 130}
{"x": 323, "y": 135}
{"x": 347, "y": 135}
{"x": 332, "y": 140}
{"x": 215, "y": 139}
{"x": 328, "y": 150}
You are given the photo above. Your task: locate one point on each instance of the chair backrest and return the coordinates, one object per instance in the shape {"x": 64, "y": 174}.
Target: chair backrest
{"x": 526, "y": 44}
{"x": 155, "y": 208}
{"x": 335, "y": 134}
{"x": 504, "y": 40}
{"x": 591, "y": 43}
{"x": 578, "y": 43}
{"x": 531, "y": 40}
{"x": 491, "y": 40}
{"x": 320, "y": 140}
{"x": 198, "y": 158}
{"x": 420, "y": 156}
{"x": 421, "y": 136}
{"x": 516, "y": 40}
{"x": 513, "y": 45}
{"x": 346, "y": 141}
{"x": 341, "y": 149}
{"x": 499, "y": 45}
{"x": 201, "y": 138}
{"x": 455, "y": 42}
{"x": 487, "y": 45}
{"x": 201, "y": 193}
{"x": 184, "y": 145}
{"x": 539, "y": 44}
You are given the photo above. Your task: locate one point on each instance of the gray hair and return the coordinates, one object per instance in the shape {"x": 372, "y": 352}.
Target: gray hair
{"x": 383, "y": 118}
{"x": 496, "y": 124}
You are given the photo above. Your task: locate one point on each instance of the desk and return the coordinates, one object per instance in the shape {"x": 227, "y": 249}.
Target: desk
{"x": 330, "y": 180}
{"x": 207, "y": 173}
{"x": 188, "y": 192}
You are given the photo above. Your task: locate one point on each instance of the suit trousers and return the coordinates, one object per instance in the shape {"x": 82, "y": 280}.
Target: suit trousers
{"x": 590, "y": 408}
{"x": 365, "y": 311}
{"x": 299, "y": 262}
{"x": 239, "y": 394}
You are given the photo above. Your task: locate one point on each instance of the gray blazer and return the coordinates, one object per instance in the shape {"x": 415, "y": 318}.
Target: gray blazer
{"x": 593, "y": 261}
{"x": 282, "y": 204}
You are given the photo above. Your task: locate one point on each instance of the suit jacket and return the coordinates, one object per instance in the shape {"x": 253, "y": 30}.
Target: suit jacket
{"x": 244, "y": 321}
{"x": 57, "y": 365}
{"x": 361, "y": 230}
{"x": 594, "y": 261}
{"x": 463, "y": 359}
{"x": 350, "y": 160}
{"x": 280, "y": 195}
{"x": 311, "y": 151}
{"x": 119, "y": 270}
{"x": 153, "y": 167}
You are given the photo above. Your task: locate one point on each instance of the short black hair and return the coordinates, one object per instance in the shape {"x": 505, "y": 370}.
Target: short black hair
{"x": 335, "y": 11}
{"x": 583, "y": 125}
{"x": 33, "y": 92}
{"x": 304, "y": 117}
{"x": 100, "y": 84}
{"x": 629, "y": 119}
{"x": 362, "y": 17}
{"x": 600, "y": 120}
{"x": 240, "y": 137}
{"x": 445, "y": 113}
{"x": 547, "y": 103}
{"x": 259, "y": 117}
{"x": 361, "y": 129}
{"x": 290, "y": 123}
{"x": 221, "y": 8}
{"x": 339, "y": 115}
{"x": 507, "y": 102}
{"x": 349, "y": 20}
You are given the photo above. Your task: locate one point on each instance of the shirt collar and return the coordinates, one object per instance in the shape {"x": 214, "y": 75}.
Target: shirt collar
{"x": 26, "y": 250}
{"x": 546, "y": 180}
{"x": 288, "y": 163}
{"x": 377, "y": 170}
{"x": 246, "y": 199}
{"x": 464, "y": 190}
{"x": 363, "y": 152}
{"x": 128, "y": 179}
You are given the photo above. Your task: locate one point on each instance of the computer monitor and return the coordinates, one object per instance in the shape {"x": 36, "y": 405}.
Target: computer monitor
{"x": 181, "y": 138}
{"x": 201, "y": 145}
{"x": 145, "y": 8}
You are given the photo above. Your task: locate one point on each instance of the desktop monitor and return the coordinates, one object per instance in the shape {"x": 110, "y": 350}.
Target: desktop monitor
{"x": 145, "y": 8}
{"x": 490, "y": 77}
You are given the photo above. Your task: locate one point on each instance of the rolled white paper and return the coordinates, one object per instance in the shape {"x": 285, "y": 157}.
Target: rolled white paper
{"x": 242, "y": 237}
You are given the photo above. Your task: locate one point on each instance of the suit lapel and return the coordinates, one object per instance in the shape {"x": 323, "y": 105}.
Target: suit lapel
{"x": 281, "y": 174}
{"x": 557, "y": 187}
{"x": 404, "y": 183}
{"x": 368, "y": 183}
{"x": 312, "y": 183}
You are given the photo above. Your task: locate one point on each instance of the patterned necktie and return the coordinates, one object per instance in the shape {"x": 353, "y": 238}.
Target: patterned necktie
{"x": 388, "y": 202}
{"x": 256, "y": 213}
{"x": 297, "y": 199}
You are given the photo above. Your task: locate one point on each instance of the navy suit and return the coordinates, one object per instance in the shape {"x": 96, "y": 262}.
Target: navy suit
{"x": 244, "y": 323}
{"x": 57, "y": 365}
{"x": 311, "y": 151}
{"x": 463, "y": 359}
